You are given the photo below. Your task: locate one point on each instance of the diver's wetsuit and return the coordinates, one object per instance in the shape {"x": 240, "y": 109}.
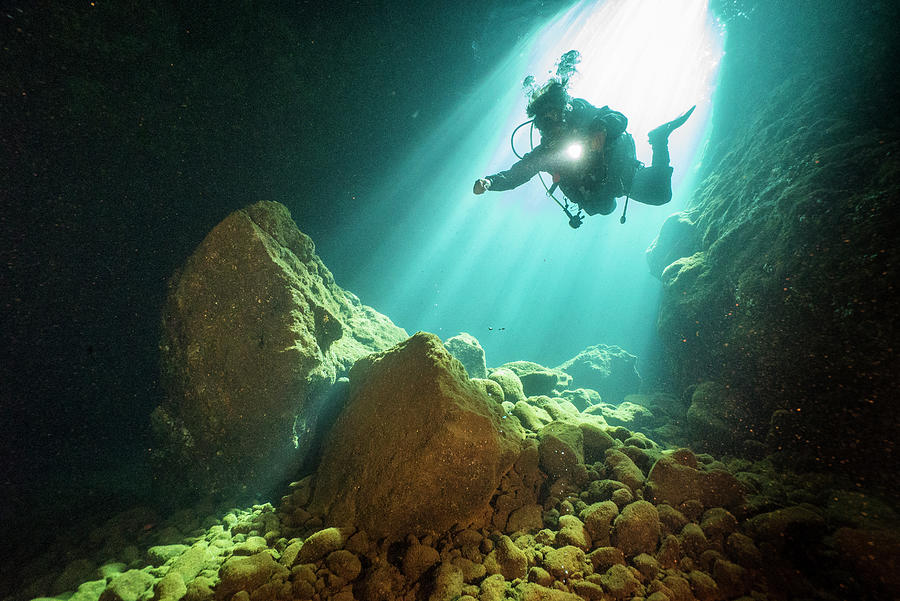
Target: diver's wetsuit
{"x": 596, "y": 179}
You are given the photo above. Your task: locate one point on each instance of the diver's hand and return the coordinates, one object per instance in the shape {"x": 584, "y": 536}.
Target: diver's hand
{"x": 481, "y": 185}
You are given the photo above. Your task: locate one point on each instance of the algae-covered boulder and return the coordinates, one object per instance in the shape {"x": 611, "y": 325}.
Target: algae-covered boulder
{"x": 715, "y": 419}
{"x": 254, "y": 332}
{"x": 469, "y": 352}
{"x": 675, "y": 478}
{"x": 677, "y": 238}
{"x": 417, "y": 448}
{"x": 561, "y": 447}
{"x": 536, "y": 379}
{"x": 609, "y": 370}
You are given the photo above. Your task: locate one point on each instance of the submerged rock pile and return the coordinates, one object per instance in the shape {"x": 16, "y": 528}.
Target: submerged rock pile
{"x": 566, "y": 508}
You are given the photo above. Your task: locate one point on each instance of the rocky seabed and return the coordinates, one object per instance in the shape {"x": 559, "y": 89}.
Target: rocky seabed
{"x": 607, "y": 531}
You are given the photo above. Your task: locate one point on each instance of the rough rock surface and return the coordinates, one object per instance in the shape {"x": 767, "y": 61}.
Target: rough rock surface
{"x": 608, "y": 369}
{"x": 536, "y": 379}
{"x": 255, "y": 330}
{"x": 715, "y": 420}
{"x": 676, "y": 239}
{"x": 469, "y": 352}
{"x": 675, "y": 479}
{"x": 788, "y": 296}
{"x": 413, "y": 435}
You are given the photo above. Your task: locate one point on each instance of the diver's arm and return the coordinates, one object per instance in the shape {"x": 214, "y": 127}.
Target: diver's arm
{"x": 518, "y": 174}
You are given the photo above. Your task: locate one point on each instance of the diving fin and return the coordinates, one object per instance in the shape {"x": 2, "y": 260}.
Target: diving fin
{"x": 660, "y": 135}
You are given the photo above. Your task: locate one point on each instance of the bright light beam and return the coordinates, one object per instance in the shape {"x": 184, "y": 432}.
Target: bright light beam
{"x": 459, "y": 262}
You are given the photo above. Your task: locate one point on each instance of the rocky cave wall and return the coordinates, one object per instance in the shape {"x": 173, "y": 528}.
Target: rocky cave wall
{"x": 779, "y": 279}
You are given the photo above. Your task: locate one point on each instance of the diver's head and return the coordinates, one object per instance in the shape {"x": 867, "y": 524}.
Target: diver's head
{"x": 548, "y": 107}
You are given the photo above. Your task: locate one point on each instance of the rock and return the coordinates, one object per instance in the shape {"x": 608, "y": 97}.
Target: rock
{"x": 596, "y": 441}
{"x": 247, "y": 574}
{"x": 581, "y": 397}
{"x": 75, "y": 572}
{"x": 382, "y": 582}
{"x": 536, "y": 379}
{"x": 561, "y": 448}
{"x": 525, "y": 518}
{"x": 768, "y": 308}
{"x": 743, "y": 550}
{"x": 251, "y": 546}
{"x": 572, "y": 531}
{"x": 255, "y": 331}
{"x": 785, "y": 527}
{"x": 731, "y": 579}
{"x": 491, "y": 388}
{"x": 531, "y": 417}
{"x": 129, "y": 586}
{"x": 417, "y": 448}
{"x": 603, "y": 558}
{"x": 598, "y": 519}
{"x": 677, "y": 238}
{"x": 160, "y": 554}
{"x": 693, "y": 541}
{"x": 636, "y": 530}
{"x": 448, "y": 583}
{"x": 607, "y": 369}
{"x": 529, "y": 591}
{"x": 509, "y": 382}
{"x": 507, "y": 559}
{"x": 704, "y": 587}
{"x": 647, "y": 565}
{"x": 472, "y": 572}
{"x": 493, "y": 588}
{"x": 200, "y": 589}
{"x": 716, "y": 419}
{"x": 627, "y": 414}
{"x": 718, "y": 524}
{"x": 623, "y": 469}
{"x": 192, "y": 562}
{"x": 672, "y": 480}
{"x": 344, "y": 564}
{"x": 620, "y": 582}
{"x": 417, "y": 560}
{"x": 874, "y": 555}
{"x": 322, "y": 543}
{"x": 565, "y": 562}
{"x": 170, "y": 588}
{"x": 671, "y": 520}
{"x": 468, "y": 351}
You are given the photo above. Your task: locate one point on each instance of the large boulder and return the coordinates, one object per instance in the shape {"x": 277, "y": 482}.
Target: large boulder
{"x": 677, "y": 238}
{"x": 676, "y": 478}
{"x": 470, "y": 353}
{"x": 536, "y": 379}
{"x": 418, "y": 447}
{"x": 609, "y": 370}
{"x": 254, "y": 333}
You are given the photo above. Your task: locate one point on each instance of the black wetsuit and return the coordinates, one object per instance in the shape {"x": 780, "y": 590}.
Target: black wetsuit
{"x": 596, "y": 179}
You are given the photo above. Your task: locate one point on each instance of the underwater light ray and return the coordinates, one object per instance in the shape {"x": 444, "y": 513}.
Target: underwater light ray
{"x": 464, "y": 262}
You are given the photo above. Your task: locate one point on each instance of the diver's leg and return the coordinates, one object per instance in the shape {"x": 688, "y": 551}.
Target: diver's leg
{"x": 652, "y": 185}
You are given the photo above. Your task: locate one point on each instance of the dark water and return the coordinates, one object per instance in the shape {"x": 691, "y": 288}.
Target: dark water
{"x": 130, "y": 129}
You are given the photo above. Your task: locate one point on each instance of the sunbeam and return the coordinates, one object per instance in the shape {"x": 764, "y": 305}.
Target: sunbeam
{"x": 506, "y": 267}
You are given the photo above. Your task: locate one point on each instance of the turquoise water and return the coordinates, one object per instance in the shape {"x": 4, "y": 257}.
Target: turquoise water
{"x": 506, "y": 267}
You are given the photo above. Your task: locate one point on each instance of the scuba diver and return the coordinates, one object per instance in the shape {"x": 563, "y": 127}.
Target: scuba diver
{"x": 588, "y": 152}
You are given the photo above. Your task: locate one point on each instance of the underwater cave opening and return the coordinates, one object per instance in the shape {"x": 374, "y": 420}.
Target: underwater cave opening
{"x": 506, "y": 267}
